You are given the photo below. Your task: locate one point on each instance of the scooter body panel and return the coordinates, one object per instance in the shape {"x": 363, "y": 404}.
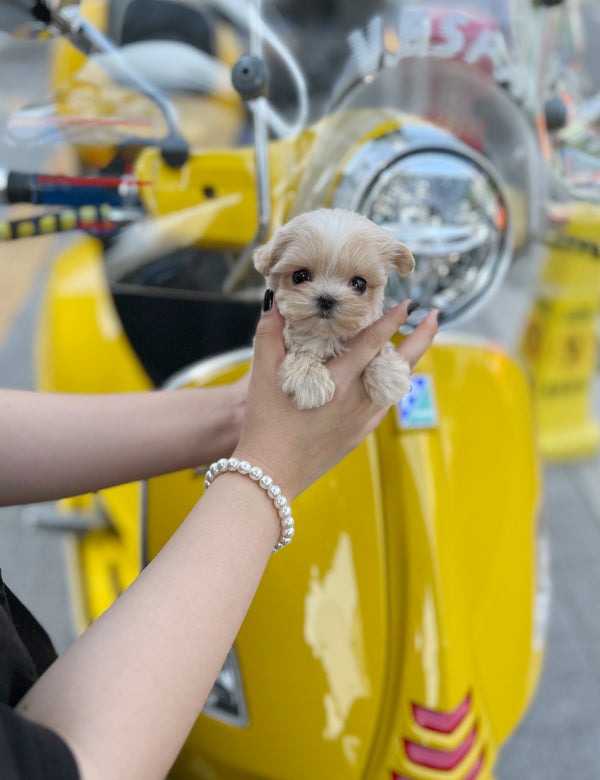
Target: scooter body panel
{"x": 401, "y": 598}
{"x": 80, "y": 343}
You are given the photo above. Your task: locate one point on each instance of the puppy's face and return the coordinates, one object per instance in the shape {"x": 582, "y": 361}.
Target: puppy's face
{"x": 328, "y": 269}
{"x": 330, "y": 289}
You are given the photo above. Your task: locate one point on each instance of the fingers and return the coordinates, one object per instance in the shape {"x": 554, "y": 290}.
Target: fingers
{"x": 414, "y": 346}
{"x": 269, "y": 349}
{"x": 369, "y": 342}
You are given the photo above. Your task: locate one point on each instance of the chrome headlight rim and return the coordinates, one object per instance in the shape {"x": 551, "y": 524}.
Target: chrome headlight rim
{"x": 375, "y": 157}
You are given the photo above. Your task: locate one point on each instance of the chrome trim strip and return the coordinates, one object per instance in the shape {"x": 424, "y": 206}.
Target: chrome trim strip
{"x": 243, "y": 719}
{"x": 464, "y": 338}
{"x": 144, "y": 524}
{"x": 202, "y": 371}
{"x": 79, "y": 613}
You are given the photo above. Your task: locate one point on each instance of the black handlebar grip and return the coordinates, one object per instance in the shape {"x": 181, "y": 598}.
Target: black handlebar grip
{"x": 20, "y": 187}
{"x": 41, "y": 12}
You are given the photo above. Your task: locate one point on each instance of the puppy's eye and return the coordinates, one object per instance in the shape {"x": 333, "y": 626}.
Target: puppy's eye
{"x": 301, "y": 276}
{"x": 358, "y": 283}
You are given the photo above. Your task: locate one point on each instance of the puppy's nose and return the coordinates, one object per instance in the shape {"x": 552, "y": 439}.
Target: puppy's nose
{"x": 326, "y": 302}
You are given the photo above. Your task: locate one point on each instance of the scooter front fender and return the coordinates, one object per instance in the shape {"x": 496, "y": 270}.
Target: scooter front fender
{"x": 461, "y": 507}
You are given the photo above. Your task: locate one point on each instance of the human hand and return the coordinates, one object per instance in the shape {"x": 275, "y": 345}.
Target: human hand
{"x": 215, "y": 415}
{"x": 296, "y": 447}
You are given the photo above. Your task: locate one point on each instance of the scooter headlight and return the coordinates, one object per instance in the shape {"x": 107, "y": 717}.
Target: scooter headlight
{"x": 445, "y": 203}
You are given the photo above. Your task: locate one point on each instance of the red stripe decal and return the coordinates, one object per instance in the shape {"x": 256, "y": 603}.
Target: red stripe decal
{"x": 473, "y": 774}
{"x": 90, "y": 181}
{"x": 444, "y": 722}
{"x": 476, "y": 769}
{"x": 439, "y": 759}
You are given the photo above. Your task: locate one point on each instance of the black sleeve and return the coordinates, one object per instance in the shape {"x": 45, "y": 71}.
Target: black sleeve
{"x": 32, "y": 752}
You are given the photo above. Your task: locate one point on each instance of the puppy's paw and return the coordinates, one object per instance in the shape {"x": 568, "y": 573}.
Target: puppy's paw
{"x": 387, "y": 378}
{"x": 306, "y": 381}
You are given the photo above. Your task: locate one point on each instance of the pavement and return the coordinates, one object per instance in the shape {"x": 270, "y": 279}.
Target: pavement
{"x": 559, "y": 737}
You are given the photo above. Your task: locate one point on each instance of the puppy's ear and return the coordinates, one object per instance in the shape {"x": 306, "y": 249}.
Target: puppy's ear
{"x": 402, "y": 259}
{"x": 268, "y": 255}
{"x": 264, "y": 257}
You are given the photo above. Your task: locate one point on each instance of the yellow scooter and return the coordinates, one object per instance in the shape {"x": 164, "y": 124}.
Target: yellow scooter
{"x": 406, "y": 627}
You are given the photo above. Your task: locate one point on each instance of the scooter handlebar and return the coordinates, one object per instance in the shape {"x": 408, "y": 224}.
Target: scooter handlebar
{"x": 50, "y": 190}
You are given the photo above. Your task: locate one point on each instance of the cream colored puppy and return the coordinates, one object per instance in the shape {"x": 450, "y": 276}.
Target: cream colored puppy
{"x": 328, "y": 270}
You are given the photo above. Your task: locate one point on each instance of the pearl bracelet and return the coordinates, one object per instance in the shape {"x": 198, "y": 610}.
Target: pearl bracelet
{"x": 273, "y": 491}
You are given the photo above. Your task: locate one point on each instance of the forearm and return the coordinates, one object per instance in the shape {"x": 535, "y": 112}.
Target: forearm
{"x": 141, "y": 674}
{"x": 56, "y": 445}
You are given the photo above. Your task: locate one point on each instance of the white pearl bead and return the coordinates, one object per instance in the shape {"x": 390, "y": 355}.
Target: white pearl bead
{"x": 209, "y": 476}
{"x": 285, "y": 512}
{"x": 274, "y": 491}
{"x": 265, "y": 482}
{"x": 222, "y": 463}
{"x": 288, "y": 533}
{"x": 280, "y": 502}
{"x": 244, "y": 467}
{"x": 255, "y": 473}
{"x": 288, "y": 522}
{"x": 232, "y": 464}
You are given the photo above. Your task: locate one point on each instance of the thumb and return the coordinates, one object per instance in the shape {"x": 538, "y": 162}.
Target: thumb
{"x": 269, "y": 349}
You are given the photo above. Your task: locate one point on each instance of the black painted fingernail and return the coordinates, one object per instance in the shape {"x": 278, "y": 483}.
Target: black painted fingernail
{"x": 440, "y": 317}
{"x": 268, "y": 300}
{"x": 413, "y": 306}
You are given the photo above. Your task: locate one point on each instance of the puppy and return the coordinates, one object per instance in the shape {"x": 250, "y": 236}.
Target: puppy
{"x": 328, "y": 270}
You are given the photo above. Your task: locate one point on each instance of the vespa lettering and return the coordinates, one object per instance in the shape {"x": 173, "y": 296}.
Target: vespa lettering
{"x": 449, "y": 36}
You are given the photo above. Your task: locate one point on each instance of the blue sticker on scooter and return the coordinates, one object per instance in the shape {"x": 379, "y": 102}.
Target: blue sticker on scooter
{"x": 418, "y": 409}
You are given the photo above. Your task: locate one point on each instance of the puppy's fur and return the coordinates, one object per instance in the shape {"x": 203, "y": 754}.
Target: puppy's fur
{"x": 328, "y": 270}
